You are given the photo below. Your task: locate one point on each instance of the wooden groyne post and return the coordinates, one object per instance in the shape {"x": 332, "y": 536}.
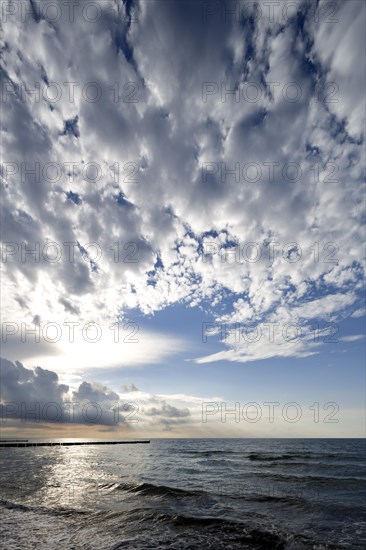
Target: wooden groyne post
{"x": 70, "y": 443}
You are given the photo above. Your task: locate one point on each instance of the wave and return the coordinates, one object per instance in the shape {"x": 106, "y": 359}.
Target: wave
{"x": 9, "y": 505}
{"x": 252, "y": 537}
{"x": 151, "y": 489}
{"x": 303, "y": 478}
{"x": 214, "y": 452}
{"x": 157, "y": 530}
{"x": 151, "y": 528}
{"x": 264, "y": 456}
{"x": 302, "y": 456}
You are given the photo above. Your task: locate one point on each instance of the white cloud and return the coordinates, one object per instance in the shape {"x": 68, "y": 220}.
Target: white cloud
{"x": 352, "y": 338}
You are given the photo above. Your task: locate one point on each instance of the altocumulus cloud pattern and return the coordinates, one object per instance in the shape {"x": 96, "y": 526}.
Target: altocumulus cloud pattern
{"x": 157, "y": 154}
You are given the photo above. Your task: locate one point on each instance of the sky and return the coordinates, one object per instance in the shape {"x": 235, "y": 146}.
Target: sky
{"x": 182, "y": 219}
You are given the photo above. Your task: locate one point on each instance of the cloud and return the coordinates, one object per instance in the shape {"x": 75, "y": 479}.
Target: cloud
{"x": 359, "y": 312}
{"x": 168, "y": 411}
{"x": 128, "y": 388}
{"x": 36, "y": 398}
{"x": 352, "y": 338}
{"x": 169, "y": 416}
{"x": 89, "y": 392}
{"x": 146, "y": 204}
{"x": 20, "y": 384}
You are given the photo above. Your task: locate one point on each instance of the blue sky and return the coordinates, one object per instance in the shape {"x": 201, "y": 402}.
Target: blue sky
{"x": 316, "y": 378}
{"x": 188, "y": 180}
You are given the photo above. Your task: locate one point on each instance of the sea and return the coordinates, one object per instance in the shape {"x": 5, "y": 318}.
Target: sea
{"x": 186, "y": 494}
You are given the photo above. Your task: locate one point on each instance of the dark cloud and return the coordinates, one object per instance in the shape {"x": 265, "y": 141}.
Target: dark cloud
{"x": 168, "y": 411}
{"x": 19, "y": 384}
{"x": 35, "y": 396}
{"x": 93, "y": 392}
{"x": 168, "y": 416}
{"x": 127, "y": 388}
